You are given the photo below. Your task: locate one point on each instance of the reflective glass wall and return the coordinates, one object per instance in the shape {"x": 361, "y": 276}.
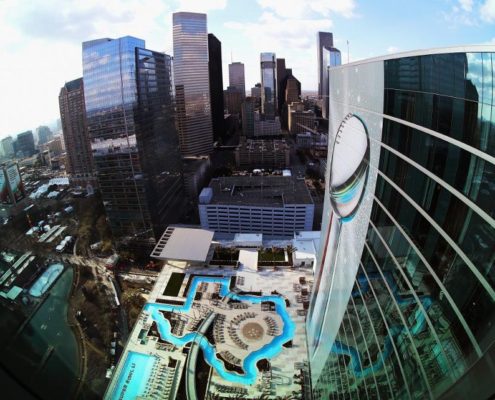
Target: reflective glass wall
{"x": 129, "y": 105}
{"x": 268, "y": 84}
{"x": 420, "y": 318}
{"x": 191, "y": 78}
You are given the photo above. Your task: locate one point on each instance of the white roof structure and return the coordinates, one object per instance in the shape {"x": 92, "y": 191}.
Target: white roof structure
{"x": 183, "y": 244}
{"x": 305, "y": 249}
{"x": 248, "y": 239}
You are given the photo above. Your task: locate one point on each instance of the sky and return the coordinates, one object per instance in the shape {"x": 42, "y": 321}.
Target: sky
{"x": 40, "y": 40}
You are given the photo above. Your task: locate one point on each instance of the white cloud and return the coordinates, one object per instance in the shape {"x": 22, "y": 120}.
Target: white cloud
{"x": 201, "y": 5}
{"x": 306, "y": 8}
{"x": 487, "y": 11}
{"x": 392, "y": 49}
{"x": 466, "y": 5}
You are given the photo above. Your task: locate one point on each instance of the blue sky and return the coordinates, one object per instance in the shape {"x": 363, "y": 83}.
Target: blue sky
{"x": 40, "y": 41}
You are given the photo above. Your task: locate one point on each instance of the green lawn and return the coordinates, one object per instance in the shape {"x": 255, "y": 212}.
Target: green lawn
{"x": 269, "y": 255}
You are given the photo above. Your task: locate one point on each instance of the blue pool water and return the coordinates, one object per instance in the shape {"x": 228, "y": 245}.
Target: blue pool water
{"x": 270, "y": 350}
{"x": 134, "y": 376}
{"x": 46, "y": 279}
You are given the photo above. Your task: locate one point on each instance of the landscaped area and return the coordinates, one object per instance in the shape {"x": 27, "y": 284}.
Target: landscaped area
{"x": 273, "y": 254}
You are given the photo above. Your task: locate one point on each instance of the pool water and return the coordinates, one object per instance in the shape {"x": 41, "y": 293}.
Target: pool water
{"x": 269, "y": 350}
{"x": 46, "y": 279}
{"x": 134, "y": 376}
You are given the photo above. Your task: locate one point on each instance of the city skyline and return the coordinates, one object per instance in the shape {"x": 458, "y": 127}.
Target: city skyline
{"x": 59, "y": 29}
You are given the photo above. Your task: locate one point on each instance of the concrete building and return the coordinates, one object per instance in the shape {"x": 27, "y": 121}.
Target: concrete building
{"x": 191, "y": 78}
{"x": 236, "y": 77}
{"x": 273, "y": 154}
{"x": 403, "y": 303}
{"x": 247, "y": 115}
{"x": 233, "y": 99}
{"x": 80, "y": 164}
{"x": 300, "y": 120}
{"x": 275, "y": 206}
{"x": 266, "y": 126}
{"x": 312, "y": 140}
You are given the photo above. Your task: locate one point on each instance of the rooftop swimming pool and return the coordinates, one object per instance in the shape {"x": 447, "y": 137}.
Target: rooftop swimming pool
{"x": 134, "y": 376}
{"x": 269, "y": 350}
{"x": 46, "y": 279}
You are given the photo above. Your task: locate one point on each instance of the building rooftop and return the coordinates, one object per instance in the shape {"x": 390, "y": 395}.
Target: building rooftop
{"x": 256, "y": 191}
{"x": 183, "y": 244}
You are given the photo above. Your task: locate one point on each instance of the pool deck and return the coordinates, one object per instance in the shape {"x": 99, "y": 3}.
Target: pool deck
{"x": 237, "y": 332}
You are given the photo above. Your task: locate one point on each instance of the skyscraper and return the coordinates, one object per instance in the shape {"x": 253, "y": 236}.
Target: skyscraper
{"x": 404, "y": 295}
{"x": 75, "y": 131}
{"x": 129, "y": 105}
{"x": 236, "y": 77}
{"x": 324, "y": 41}
{"x": 192, "y": 83}
{"x": 331, "y": 58}
{"x": 281, "y": 76}
{"x": 8, "y": 146}
{"x": 25, "y": 143}
{"x": 268, "y": 85}
{"x": 44, "y": 134}
{"x": 216, "y": 85}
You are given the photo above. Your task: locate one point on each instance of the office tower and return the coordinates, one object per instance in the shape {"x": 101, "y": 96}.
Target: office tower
{"x": 80, "y": 163}
{"x": 8, "y": 146}
{"x": 331, "y": 58}
{"x": 25, "y": 143}
{"x": 233, "y": 100}
{"x": 216, "y": 85}
{"x": 256, "y": 95}
{"x": 268, "y": 85}
{"x": 44, "y": 134}
{"x": 281, "y": 75}
{"x": 247, "y": 114}
{"x": 292, "y": 90}
{"x": 236, "y": 77}
{"x": 191, "y": 83}
{"x": 129, "y": 106}
{"x": 404, "y": 295}
{"x": 324, "y": 41}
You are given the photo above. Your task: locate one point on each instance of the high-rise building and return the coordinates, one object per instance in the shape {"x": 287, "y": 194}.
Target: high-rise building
{"x": 44, "y": 134}
{"x": 192, "y": 83}
{"x": 268, "y": 85}
{"x": 236, "y": 77}
{"x": 247, "y": 114}
{"x": 233, "y": 100}
{"x": 25, "y": 143}
{"x": 331, "y": 58}
{"x": 216, "y": 85}
{"x": 80, "y": 163}
{"x": 256, "y": 95}
{"x": 8, "y": 146}
{"x": 324, "y": 41}
{"x": 129, "y": 105}
{"x": 281, "y": 75}
{"x": 11, "y": 185}
{"x": 403, "y": 301}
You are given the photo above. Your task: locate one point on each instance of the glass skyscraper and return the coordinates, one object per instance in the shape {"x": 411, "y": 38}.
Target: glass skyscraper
{"x": 236, "y": 77}
{"x": 331, "y": 58}
{"x": 192, "y": 89}
{"x": 403, "y": 303}
{"x": 268, "y": 84}
{"x": 130, "y": 114}
{"x": 324, "y": 41}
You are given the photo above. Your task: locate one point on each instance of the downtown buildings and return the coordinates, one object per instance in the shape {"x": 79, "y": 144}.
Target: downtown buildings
{"x": 80, "y": 163}
{"x": 192, "y": 89}
{"x": 236, "y": 77}
{"x": 216, "y": 86}
{"x": 129, "y": 106}
{"x": 404, "y": 291}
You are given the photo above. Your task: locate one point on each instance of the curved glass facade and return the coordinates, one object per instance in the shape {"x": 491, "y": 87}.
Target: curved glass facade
{"x": 416, "y": 316}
